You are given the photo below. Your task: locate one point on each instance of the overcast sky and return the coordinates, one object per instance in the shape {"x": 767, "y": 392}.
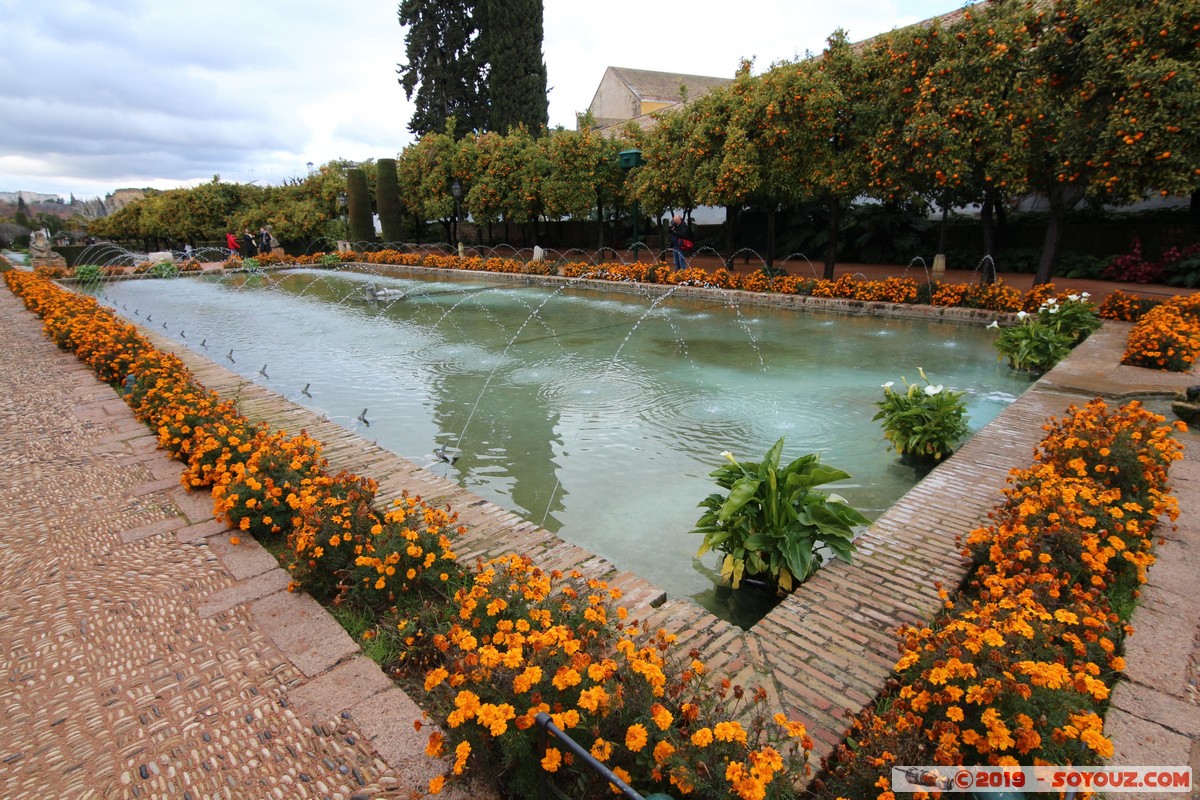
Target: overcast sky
{"x": 97, "y": 95}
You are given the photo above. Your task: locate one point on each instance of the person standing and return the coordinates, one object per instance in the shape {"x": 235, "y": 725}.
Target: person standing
{"x": 232, "y": 243}
{"x": 681, "y": 241}
{"x": 249, "y": 250}
{"x": 264, "y": 240}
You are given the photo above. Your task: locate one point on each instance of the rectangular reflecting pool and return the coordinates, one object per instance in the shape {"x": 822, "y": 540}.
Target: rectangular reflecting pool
{"x": 596, "y": 415}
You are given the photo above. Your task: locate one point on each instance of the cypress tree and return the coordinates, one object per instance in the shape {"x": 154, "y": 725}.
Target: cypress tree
{"x": 511, "y": 34}
{"x": 445, "y": 70}
{"x": 358, "y": 195}
{"x": 387, "y": 200}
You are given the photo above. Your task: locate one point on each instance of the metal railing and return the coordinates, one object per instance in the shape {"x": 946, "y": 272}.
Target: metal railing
{"x": 545, "y": 787}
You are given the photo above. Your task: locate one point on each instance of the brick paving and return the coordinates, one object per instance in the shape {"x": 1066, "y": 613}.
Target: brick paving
{"x": 145, "y": 656}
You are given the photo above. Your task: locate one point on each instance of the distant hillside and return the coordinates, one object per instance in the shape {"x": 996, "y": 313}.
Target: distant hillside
{"x": 29, "y": 197}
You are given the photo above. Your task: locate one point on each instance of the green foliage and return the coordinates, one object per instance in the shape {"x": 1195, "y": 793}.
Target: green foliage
{"x": 362, "y": 228}
{"x": 445, "y": 67}
{"x": 164, "y": 269}
{"x": 251, "y": 264}
{"x": 1043, "y": 339}
{"x": 924, "y": 422}
{"x": 1074, "y": 316}
{"x": 387, "y": 200}
{"x": 88, "y": 272}
{"x": 773, "y": 522}
{"x": 1186, "y": 271}
{"x": 1032, "y": 345}
{"x": 511, "y": 47}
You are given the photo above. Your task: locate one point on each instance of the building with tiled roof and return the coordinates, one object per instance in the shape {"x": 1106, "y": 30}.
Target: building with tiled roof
{"x": 626, "y": 94}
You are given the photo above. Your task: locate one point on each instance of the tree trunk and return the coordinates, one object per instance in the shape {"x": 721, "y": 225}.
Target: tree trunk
{"x": 831, "y": 244}
{"x": 771, "y": 213}
{"x": 942, "y": 228}
{"x": 730, "y": 225}
{"x": 599, "y": 223}
{"x": 1062, "y": 200}
{"x": 988, "y": 262}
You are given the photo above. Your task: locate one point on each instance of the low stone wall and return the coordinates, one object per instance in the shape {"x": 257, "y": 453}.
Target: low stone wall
{"x": 799, "y": 302}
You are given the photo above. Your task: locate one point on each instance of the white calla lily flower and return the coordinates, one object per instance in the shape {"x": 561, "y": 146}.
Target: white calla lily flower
{"x": 1021, "y": 315}
{"x": 995, "y": 324}
{"x": 889, "y": 384}
{"x": 932, "y": 390}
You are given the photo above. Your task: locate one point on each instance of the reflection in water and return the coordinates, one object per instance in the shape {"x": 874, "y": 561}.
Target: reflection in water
{"x": 596, "y": 415}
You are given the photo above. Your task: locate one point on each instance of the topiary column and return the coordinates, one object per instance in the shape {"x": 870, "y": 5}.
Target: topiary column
{"x": 387, "y": 200}
{"x": 358, "y": 195}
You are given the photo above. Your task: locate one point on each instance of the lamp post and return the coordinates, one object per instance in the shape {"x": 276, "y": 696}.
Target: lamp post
{"x": 456, "y": 191}
{"x": 628, "y": 159}
{"x": 343, "y": 203}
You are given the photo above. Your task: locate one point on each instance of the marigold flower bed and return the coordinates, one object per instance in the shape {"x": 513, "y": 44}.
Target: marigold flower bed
{"x": 1167, "y": 337}
{"x": 1019, "y": 666}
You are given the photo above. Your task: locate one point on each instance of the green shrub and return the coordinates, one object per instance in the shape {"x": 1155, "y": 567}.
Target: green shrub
{"x": 1043, "y": 339}
{"x": 164, "y": 269}
{"x": 773, "y": 521}
{"x": 88, "y": 272}
{"x": 922, "y": 421}
{"x": 1032, "y": 346}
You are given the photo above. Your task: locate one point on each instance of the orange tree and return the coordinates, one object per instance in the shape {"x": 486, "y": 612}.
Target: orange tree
{"x": 1146, "y": 53}
{"x": 675, "y": 149}
{"x": 1100, "y": 108}
{"x": 900, "y": 160}
{"x": 425, "y": 171}
{"x": 582, "y": 172}
{"x": 836, "y": 170}
{"x": 944, "y": 131}
{"x": 506, "y": 175}
{"x": 774, "y": 147}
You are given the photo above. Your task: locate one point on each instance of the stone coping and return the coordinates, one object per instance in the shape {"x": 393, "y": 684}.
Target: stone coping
{"x": 835, "y": 305}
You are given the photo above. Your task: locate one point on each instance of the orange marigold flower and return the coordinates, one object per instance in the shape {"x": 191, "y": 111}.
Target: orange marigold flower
{"x": 552, "y": 760}
{"x": 729, "y": 732}
{"x": 662, "y": 718}
{"x": 461, "y": 753}
{"x": 623, "y": 775}
{"x": 636, "y": 737}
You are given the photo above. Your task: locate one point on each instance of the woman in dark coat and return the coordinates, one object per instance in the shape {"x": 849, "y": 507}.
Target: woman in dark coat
{"x": 249, "y": 250}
